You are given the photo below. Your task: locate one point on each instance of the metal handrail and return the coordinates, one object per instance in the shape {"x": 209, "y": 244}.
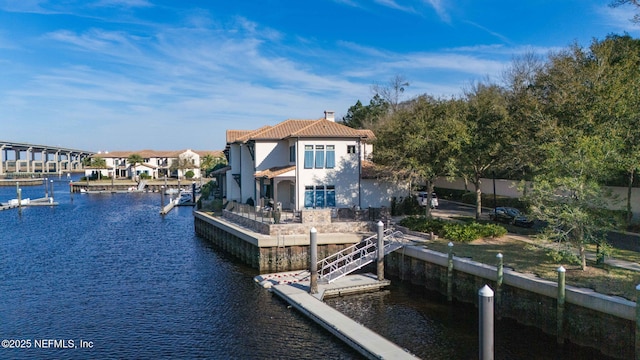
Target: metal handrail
{"x": 357, "y": 255}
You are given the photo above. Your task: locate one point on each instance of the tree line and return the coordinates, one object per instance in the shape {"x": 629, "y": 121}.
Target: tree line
{"x": 568, "y": 122}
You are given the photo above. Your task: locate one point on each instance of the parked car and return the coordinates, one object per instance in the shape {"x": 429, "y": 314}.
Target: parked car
{"x": 510, "y": 215}
{"x": 422, "y": 199}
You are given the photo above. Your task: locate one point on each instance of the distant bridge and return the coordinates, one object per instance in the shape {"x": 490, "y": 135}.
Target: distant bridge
{"x": 20, "y": 158}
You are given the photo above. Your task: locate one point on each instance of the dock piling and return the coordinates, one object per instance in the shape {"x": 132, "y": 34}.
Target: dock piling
{"x": 313, "y": 244}
{"x": 485, "y": 309}
{"x": 380, "y": 269}
{"x": 560, "y": 310}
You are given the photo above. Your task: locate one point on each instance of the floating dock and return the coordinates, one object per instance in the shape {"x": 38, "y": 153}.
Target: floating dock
{"x": 293, "y": 287}
{"x": 12, "y": 204}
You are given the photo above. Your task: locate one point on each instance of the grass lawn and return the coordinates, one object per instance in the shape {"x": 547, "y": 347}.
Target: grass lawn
{"x": 536, "y": 259}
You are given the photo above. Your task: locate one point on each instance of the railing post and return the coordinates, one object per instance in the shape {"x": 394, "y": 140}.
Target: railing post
{"x": 313, "y": 286}
{"x": 499, "y": 279}
{"x": 560, "y": 309}
{"x": 485, "y": 309}
{"x": 380, "y": 269}
{"x": 450, "y": 272}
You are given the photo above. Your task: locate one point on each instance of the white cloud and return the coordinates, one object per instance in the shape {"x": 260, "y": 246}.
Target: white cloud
{"x": 440, "y": 10}
{"x": 619, "y": 18}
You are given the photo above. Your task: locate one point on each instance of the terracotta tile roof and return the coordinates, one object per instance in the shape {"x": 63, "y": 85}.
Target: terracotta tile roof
{"x": 300, "y": 128}
{"x": 274, "y": 171}
{"x": 214, "y": 153}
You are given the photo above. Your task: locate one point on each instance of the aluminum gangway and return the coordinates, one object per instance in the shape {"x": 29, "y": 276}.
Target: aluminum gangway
{"x": 357, "y": 256}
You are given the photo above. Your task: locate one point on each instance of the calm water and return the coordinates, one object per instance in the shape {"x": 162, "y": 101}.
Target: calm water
{"x": 108, "y": 269}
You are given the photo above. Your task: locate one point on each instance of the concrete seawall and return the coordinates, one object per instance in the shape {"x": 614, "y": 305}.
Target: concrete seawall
{"x": 590, "y": 319}
{"x": 282, "y": 251}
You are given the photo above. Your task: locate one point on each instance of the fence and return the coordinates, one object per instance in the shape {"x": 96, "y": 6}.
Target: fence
{"x": 268, "y": 215}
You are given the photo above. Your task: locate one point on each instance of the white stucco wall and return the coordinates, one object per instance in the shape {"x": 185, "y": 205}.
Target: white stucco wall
{"x": 232, "y": 187}
{"x": 343, "y": 176}
{"x": 271, "y": 154}
{"x": 377, "y": 193}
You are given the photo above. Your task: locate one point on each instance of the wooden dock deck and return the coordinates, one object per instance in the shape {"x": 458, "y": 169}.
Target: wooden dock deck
{"x": 365, "y": 341}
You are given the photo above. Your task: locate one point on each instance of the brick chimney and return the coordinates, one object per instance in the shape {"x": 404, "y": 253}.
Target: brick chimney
{"x": 329, "y": 115}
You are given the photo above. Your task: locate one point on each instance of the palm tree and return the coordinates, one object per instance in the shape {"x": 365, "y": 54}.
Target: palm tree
{"x": 181, "y": 164}
{"x": 99, "y": 163}
{"x": 134, "y": 160}
{"x": 209, "y": 162}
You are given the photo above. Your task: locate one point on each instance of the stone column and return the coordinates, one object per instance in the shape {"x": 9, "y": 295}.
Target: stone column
{"x": 3, "y": 158}
{"x": 313, "y": 244}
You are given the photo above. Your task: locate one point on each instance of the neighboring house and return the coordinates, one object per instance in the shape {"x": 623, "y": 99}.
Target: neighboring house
{"x": 156, "y": 164}
{"x": 303, "y": 164}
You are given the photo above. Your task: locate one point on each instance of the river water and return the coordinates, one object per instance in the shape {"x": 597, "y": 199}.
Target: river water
{"x": 105, "y": 276}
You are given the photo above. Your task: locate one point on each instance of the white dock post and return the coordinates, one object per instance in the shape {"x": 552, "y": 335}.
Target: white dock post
{"x": 485, "y": 309}
{"x": 313, "y": 286}
{"x": 380, "y": 269}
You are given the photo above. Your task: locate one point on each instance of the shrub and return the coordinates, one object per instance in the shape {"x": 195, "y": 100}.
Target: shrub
{"x": 422, "y": 224}
{"x": 472, "y": 231}
{"x": 189, "y": 174}
{"x": 145, "y": 176}
{"x": 563, "y": 256}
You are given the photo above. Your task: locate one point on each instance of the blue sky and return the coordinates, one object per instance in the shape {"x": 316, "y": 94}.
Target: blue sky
{"x": 107, "y": 75}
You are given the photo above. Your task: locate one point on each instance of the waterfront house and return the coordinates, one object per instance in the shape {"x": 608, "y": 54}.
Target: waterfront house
{"x": 303, "y": 164}
{"x": 156, "y": 164}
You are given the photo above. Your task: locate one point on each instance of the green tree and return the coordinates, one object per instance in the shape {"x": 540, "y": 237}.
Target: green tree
{"x": 134, "y": 160}
{"x": 570, "y": 206}
{"x": 529, "y": 125}
{"x": 182, "y": 163}
{"x": 365, "y": 117}
{"x": 420, "y": 141}
{"x": 579, "y": 93}
{"x": 617, "y": 62}
{"x": 209, "y": 162}
{"x": 98, "y": 162}
{"x": 487, "y": 135}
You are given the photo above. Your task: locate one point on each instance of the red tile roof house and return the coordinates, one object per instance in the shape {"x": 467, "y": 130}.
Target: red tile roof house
{"x": 156, "y": 164}
{"x": 304, "y": 164}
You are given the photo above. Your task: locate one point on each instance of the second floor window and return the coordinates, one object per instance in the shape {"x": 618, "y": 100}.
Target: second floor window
{"x": 319, "y": 156}
{"x": 331, "y": 156}
{"x": 292, "y": 153}
{"x": 351, "y": 149}
{"x": 308, "y": 156}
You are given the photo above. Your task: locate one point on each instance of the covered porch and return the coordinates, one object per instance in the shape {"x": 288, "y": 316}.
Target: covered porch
{"x": 276, "y": 187}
